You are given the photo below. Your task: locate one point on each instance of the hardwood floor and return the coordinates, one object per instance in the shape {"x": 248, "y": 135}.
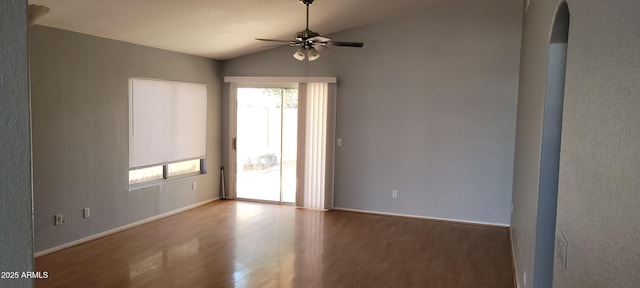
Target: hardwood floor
{"x": 242, "y": 244}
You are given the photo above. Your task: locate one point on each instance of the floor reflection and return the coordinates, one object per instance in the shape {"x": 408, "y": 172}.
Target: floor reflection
{"x": 264, "y": 246}
{"x": 309, "y": 249}
{"x": 183, "y": 251}
{"x": 245, "y": 211}
{"x": 149, "y": 264}
{"x": 167, "y": 257}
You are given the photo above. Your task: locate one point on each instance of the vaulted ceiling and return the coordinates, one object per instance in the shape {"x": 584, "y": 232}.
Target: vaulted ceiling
{"x": 218, "y": 29}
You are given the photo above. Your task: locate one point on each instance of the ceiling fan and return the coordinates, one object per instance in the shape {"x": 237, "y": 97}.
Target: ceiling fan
{"x": 311, "y": 43}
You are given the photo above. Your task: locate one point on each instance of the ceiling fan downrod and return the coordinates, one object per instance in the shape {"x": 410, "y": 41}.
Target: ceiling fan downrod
{"x": 307, "y": 3}
{"x": 307, "y": 17}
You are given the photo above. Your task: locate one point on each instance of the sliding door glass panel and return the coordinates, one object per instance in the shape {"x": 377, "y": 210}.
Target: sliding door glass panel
{"x": 259, "y": 144}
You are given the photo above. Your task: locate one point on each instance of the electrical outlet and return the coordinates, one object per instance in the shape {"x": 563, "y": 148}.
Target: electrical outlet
{"x": 86, "y": 212}
{"x": 59, "y": 220}
{"x": 562, "y": 246}
{"x": 394, "y": 194}
{"x": 339, "y": 142}
{"x": 194, "y": 185}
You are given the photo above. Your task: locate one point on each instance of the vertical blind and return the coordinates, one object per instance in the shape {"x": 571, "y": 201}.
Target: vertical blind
{"x": 167, "y": 121}
{"x": 317, "y": 164}
{"x": 315, "y": 145}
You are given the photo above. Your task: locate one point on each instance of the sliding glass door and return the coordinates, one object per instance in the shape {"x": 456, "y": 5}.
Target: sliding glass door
{"x": 266, "y": 144}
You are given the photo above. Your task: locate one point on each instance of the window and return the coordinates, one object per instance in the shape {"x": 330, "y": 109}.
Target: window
{"x": 184, "y": 167}
{"x": 167, "y": 129}
{"x": 148, "y": 174}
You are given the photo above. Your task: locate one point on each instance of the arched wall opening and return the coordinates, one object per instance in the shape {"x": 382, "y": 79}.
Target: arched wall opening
{"x": 546, "y": 243}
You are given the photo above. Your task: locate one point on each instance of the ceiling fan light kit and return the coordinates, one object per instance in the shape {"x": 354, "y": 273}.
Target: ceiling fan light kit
{"x": 310, "y": 43}
{"x": 299, "y": 54}
{"x": 312, "y": 54}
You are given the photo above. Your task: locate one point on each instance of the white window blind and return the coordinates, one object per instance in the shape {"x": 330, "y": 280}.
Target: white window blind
{"x": 167, "y": 121}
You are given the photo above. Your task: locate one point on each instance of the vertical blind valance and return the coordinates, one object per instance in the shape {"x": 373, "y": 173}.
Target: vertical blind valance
{"x": 167, "y": 121}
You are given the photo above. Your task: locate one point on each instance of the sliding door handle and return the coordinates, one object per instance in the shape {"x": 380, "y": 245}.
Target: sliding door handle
{"x": 234, "y": 144}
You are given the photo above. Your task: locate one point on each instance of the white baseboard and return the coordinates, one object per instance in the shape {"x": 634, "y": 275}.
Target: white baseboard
{"x": 499, "y": 225}
{"x": 121, "y": 228}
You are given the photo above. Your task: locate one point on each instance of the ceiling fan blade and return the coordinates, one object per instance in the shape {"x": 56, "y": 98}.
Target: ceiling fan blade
{"x": 274, "y": 40}
{"x": 321, "y": 47}
{"x": 275, "y": 46}
{"x": 345, "y": 44}
{"x": 319, "y": 39}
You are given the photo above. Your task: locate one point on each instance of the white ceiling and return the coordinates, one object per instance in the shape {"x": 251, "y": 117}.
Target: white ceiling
{"x": 218, "y": 29}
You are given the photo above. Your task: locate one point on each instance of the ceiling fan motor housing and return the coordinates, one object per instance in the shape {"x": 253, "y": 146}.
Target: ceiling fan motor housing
{"x": 306, "y": 2}
{"x": 306, "y": 34}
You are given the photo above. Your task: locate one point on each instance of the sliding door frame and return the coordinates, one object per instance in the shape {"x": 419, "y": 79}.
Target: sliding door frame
{"x": 272, "y": 82}
{"x": 233, "y": 133}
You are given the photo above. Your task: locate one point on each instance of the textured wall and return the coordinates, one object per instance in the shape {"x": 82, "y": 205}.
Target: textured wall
{"x": 80, "y": 133}
{"x": 599, "y": 163}
{"x": 16, "y": 222}
{"x": 427, "y": 108}
{"x": 599, "y": 189}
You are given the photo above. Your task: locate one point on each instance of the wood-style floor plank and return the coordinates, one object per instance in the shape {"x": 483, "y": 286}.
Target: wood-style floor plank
{"x": 242, "y": 244}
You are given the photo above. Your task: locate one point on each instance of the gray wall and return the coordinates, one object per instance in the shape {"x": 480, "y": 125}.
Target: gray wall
{"x": 80, "y": 133}
{"x": 427, "y": 108}
{"x": 16, "y": 220}
{"x": 600, "y": 159}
